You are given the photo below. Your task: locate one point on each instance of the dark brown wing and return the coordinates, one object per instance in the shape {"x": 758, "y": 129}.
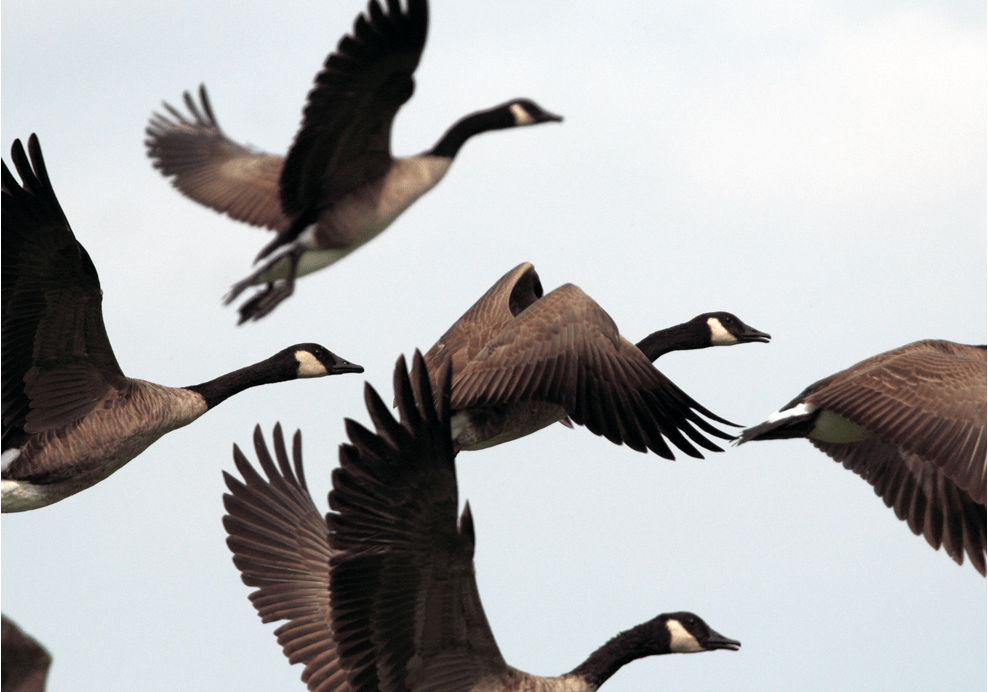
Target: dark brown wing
{"x": 211, "y": 168}
{"x": 928, "y": 398}
{"x": 921, "y": 495}
{"x": 565, "y": 349}
{"x": 345, "y": 138}
{"x": 408, "y": 615}
{"x": 485, "y": 319}
{"x": 280, "y": 545}
{"x": 25, "y": 661}
{"x": 57, "y": 359}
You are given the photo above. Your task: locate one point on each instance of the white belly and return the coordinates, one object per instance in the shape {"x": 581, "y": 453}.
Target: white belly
{"x": 311, "y": 260}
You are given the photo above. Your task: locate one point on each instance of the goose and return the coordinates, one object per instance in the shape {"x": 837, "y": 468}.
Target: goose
{"x": 911, "y": 422}
{"x": 70, "y": 416}
{"x": 522, "y": 360}
{"x": 339, "y": 186}
{"x": 25, "y": 661}
{"x": 381, "y": 595}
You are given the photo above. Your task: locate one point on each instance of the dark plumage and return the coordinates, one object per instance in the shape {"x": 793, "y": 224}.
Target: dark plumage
{"x": 911, "y": 422}
{"x": 703, "y": 331}
{"x": 339, "y": 185}
{"x": 25, "y": 662}
{"x": 70, "y": 415}
{"x": 382, "y": 596}
{"x": 521, "y": 361}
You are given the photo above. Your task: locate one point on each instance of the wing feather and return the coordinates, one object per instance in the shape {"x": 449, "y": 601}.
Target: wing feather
{"x": 606, "y": 384}
{"x": 408, "y": 615}
{"x": 927, "y": 397}
{"x": 345, "y": 138}
{"x": 485, "y": 319}
{"x": 57, "y": 360}
{"x": 920, "y": 494}
{"x": 212, "y": 169}
{"x": 280, "y": 545}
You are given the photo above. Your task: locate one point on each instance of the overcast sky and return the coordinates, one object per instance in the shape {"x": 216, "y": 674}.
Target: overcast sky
{"x": 817, "y": 168}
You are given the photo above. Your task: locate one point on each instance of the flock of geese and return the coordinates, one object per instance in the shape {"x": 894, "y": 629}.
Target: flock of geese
{"x": 380, "y": 594}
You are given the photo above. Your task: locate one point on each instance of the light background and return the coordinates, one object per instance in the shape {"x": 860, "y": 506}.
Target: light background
{"x": 818, "y": 168}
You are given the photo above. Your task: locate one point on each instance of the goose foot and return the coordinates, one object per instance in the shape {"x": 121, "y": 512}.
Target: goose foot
{"x": 266, "y": 300}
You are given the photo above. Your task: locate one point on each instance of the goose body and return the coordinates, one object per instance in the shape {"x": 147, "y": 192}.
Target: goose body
{"x": 381, "y": 595}
{"x": 339, "y": 185}
{"x": 521, "y": 360}
{"x": 70, "y": 416}
{"x": 911, "y": 422}
{"x": 362, "y": 215}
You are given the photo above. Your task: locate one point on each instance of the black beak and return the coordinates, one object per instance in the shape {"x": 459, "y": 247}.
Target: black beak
{"x": 341, "y": 366}
{"x": 750, "y": 334}
{"x": 717, "y": 641}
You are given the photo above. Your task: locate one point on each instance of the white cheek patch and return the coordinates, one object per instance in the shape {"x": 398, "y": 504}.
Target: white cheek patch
{"x": 718, "y": 335}
{"x": 309, "y": 365}
{"x": 681, "y": 641}
{"x": 521, "y": 116}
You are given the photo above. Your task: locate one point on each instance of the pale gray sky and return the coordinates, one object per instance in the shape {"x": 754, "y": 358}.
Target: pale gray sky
{"x": 817, "y": 168}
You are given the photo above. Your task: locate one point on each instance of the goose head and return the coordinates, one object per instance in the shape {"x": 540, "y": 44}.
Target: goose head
{"x": 313, "y": 360}
{"x": 669, "y": 633}
{"x": 527, "y": 112}
{"x": 703, "y": 331}
{"x": 689, "y": 634}
{"x": 726, "y": 329}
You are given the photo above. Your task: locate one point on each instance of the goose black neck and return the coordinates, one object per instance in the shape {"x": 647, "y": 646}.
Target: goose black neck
{"x": 648, "y": 639}
{"x": 682, "y": 337}
{"x": 482, "y": 121}
{"x": 275, "y": 369}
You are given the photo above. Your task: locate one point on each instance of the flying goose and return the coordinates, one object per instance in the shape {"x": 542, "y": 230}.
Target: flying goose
{"x": 522, "y": 361}
{"x": 911, "y": 422}
{"x": 25, "y": 661}
{"x": 70, "y": 416}
{"x": 381, "y": 596}
{"x": 339, "y": 185}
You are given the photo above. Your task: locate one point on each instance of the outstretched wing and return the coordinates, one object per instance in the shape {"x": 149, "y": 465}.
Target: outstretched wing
{"x": 925, "y": 404}
{"x": 565, "y": 349}
{"x": 57, "y": 359}
{"x": 345, "y": 138}
{"x": 280, "y": 545}
{"x": 404, "y": 595}
{"x": 485, "y": 319}
{"x": 209, "y": 167}
{"x": 928, "y": 398}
